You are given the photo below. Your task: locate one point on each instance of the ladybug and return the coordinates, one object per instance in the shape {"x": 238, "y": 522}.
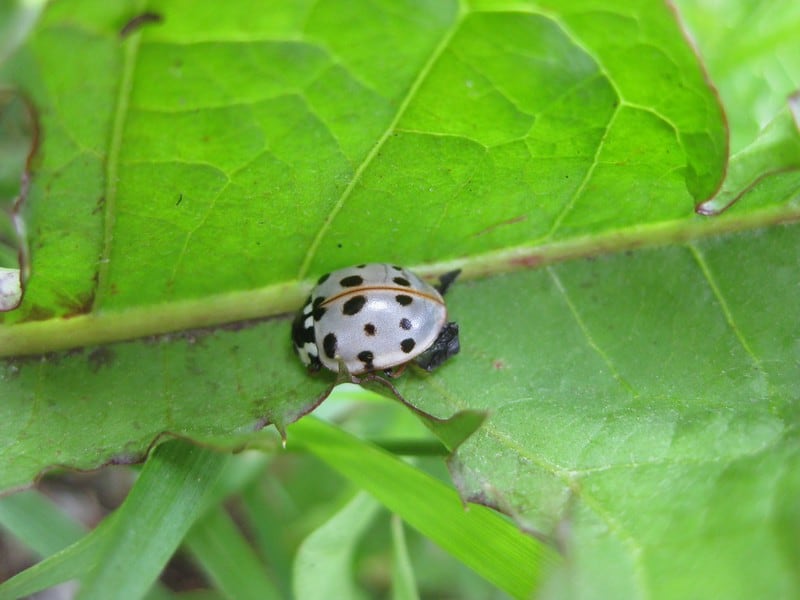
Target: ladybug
{"x": 375, "y": 317}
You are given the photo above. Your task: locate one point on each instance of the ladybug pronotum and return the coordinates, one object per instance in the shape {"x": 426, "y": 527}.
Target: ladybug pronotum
{"x": 375, "y": 317}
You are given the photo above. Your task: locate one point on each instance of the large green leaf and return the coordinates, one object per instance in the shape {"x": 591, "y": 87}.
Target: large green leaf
{"x": 649, "y": 403}
{"x": 229, "y": 150}
{"x": 203, "y": 169}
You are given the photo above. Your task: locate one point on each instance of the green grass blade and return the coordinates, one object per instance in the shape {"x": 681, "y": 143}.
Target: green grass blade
{"x": 38, "y": 523}
{"x": 162, "y": 506}
{"x": 240, "y": 472}
{"x": 79, "y": 558}
{"x": 323, "y": 566}
{"x": 68, "y": 564}
{"x": 404, "y": 586}
{"x": 482, "y": 539}
{"x": 226, "y": 556}
{"x": 267, "y": 523}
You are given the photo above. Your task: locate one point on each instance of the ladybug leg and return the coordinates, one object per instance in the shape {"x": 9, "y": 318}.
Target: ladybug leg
{"x": 395, "y": 372}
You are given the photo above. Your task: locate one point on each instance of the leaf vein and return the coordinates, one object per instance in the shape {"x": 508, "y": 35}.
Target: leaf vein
{"x": 705, "y": 269}
{"x": 129, "y": 60}
{"x": 588, "y": 334}
{"x": 373, "y": 153}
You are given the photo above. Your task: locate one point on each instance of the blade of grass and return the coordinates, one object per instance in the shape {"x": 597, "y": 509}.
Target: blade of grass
{"x": 482, "y": 539}
{"x": 167, "y": 499}
{"x": 76, "y": 560}
{"x": 38, "y": 523}
{"x": 222, "y": 552}
{"x": 323, "y": 566}
{"x": 73, "y": 561}
{"x": 241, "y": 472}
{"x": 404, "y": 586}
{"x": 266, "y": 506}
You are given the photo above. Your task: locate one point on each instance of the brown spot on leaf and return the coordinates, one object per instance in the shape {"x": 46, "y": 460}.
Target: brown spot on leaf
{"x": 491, "y": 228}
{"x": 527, "y": 262}
{"x": 138, "y": 21}
{"x": 99, "y": 205}
{"x": 39, "y": 313}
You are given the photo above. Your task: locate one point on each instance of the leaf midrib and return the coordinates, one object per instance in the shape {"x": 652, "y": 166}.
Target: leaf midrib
{"x": 108, "y": 326}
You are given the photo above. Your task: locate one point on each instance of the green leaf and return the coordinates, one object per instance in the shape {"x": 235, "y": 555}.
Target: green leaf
{"x": 648, "y": 404}
{"x": 643, "y": 405}
{"x": 16, "y": 136}
{"x": 775, "y": 154}
{"x": 758, "y": 76}
{"x": 223, "y": 151}
{"x": 323, "y": 565}
{"x": 128, "y": 394}
{"x": 482, "y": 539}
{"x": 751, "y": 52}
{"x": 153, "y": 130}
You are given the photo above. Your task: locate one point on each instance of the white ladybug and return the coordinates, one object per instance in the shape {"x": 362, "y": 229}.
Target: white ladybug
{"x": 375, "y": 317}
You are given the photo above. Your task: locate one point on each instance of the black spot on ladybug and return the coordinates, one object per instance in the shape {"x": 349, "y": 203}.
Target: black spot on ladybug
{"x": 354, "y": 304}
{"x": 407, "y": 345}
{"x": 369, "y": 329}
{"x": 300, "y": 333}
{"x": 317, "y": 309}
{"x": 402, "y": 281}
{"x": 304, "y": 334}
{"x": 323, "y": 279}
{"x": 329, "y": 345}
{"x": 366, "y": 357}
{"x": 352, "y": 281}
{"x": 405, "y": 323}
{"x": 403, "y": 299}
